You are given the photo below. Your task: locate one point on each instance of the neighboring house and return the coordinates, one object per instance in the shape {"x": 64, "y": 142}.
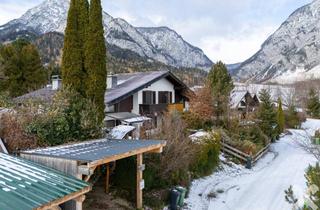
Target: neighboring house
{"x": 44, "y": 94}
{"x": 131, "y": 96}
{"x": 146, "y": 93}
{"x": 242, "y": 101}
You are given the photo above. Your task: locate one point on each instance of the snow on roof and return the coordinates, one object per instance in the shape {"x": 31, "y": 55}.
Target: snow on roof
{"x": 126, "y": 117}
{"x": 137, "y": 119}
{"x": 3, "y": 148}
{"x": 198, "y": 135}
{"x": 91, "y": 151}
{"x": 27, "y": 185}
{"x": 5, "y": 111}
{"x": 120, "y": 116}
{"x": 275, "y": 91}
{"x": 236, "y": 97}
{"x": 120, "y": 131}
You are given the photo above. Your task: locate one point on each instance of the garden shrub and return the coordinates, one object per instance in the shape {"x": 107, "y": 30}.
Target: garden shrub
{"x": 207, "y": 157}
{"x": 313, "y": 179}
{"x": 13, "y": 133}
{"x": 248, "y": 138}
{"x": 192, "y": 121}
{"x": 5, "y": 100}
{"x": 69, "y": 118}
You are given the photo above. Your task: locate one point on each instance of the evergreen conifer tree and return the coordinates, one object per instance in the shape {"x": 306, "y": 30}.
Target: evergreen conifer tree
{"x": 21, "y": 68}
{"x": 95, "y": 58}
{"x": 267, "y": 115}
{"x": 73, "y": 72}
{"x": 313, "y": 104}
{"x": 83, "y": 23}
{"x": 280, "y": 117}
{"x": 221, "y": 85}
{"x": 292, "y": 118}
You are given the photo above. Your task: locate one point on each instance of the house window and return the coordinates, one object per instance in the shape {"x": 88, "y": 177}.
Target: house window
{"x": 165, "y": 97}
{"x": 149, "y": 97}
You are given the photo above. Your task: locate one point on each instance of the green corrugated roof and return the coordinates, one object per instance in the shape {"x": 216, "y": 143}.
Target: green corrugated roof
{"x": 26, "y": 185}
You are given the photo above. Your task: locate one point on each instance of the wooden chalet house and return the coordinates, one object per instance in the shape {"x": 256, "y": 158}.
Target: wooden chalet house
{"x": 242, "y": 102}
{"x": 147, "y": 94}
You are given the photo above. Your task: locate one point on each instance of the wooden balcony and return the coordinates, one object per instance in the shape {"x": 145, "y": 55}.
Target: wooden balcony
{"x": 176, "y": 107}
{"x": 147, "y": 109}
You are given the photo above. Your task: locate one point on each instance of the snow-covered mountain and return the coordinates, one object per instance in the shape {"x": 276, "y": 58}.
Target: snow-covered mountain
{"x": 153, "y": 44}
{"x": 291, "y": 53}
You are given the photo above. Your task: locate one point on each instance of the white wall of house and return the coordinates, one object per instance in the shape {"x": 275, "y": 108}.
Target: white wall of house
{"x": 135, "y": 108}
{"x": 161, "y": 85}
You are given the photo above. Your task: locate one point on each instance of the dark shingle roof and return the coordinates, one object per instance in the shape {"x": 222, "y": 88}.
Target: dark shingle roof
{"x": 128, "y": 84}
{"x": 131, "y": 83}
{"x": 45, "y": 94}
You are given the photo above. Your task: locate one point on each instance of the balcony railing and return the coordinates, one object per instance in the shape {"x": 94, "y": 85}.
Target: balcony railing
{"x": 146, "y": 109}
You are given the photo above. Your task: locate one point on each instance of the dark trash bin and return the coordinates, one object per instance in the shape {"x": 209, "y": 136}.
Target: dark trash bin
{"x": 174, "y": 199}
{"x": 249, "y": 163}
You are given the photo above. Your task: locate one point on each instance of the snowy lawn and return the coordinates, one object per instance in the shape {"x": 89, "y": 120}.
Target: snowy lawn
{"x": 261, "y": 188}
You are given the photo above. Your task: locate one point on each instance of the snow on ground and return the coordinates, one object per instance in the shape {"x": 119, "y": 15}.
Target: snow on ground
{"x": 261, "y": 188}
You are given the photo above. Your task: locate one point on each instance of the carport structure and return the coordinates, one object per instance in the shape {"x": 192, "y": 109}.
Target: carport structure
{"x": 80, "y": 160}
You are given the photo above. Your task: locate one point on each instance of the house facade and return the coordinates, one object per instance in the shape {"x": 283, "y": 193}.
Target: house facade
{"x": 132, "y": 97}
{"x": 147, "y": 94}
{"x": 243, "y": 102}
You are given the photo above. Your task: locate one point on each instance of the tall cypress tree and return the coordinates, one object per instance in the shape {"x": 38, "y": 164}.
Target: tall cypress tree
{"x": 83, "y": 22}
{"x": 96, "y": 58}
{"x": 280, "y": 117}
{"x": 72, "y": 58}
{"x": 221, "y": 85}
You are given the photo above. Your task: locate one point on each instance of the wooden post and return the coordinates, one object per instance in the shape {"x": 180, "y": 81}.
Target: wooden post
{"x": 139, "y": 180}
{"x": 107, "y": 177}
{"x": 79, "y": 201}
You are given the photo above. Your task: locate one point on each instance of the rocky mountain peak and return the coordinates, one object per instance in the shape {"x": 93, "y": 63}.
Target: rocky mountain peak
{"x": 170, "y": 48}
{"x": 296, "y": 43}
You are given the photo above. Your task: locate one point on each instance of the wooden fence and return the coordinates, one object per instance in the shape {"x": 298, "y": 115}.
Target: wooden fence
{"x": 248, "y": 159}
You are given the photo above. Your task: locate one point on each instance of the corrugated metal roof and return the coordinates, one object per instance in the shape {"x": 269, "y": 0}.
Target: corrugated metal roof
{"x": 26, "y": 185}
{"x": 94, "y": 150}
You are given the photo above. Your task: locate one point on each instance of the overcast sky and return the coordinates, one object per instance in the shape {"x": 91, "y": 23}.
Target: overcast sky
{"x": 227, "y": 30}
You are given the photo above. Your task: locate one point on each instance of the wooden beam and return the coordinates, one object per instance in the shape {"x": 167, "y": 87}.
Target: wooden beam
{"x": 127, "y": 154}
{"x": 64, "y": 199}
{"x": 87, "y": 178}
{"x": 158, "y": 150}
{"x": 107, "y": 177}
{"x": 139, "y": 180}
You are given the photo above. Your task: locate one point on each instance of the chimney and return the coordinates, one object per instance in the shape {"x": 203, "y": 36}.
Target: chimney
{"x": 112, "y": 81}
{"x": 56, "y": 82}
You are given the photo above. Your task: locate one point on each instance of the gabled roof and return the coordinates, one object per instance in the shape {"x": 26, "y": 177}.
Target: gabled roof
{"x": 27, "y": 185}
{"x": 236, "y": 97}
{"x": 44, "y": 94}
{"x": 128, "y": 84}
